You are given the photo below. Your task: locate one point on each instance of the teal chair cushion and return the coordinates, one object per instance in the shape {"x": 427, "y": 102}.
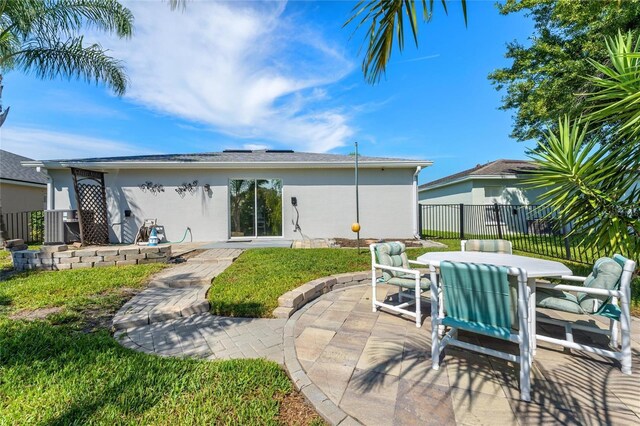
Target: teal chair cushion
{"x": 606, "y": 275}
{"x": 477, "y": 298}
{"x": 558, "y": 300}
{"x": 391, "y": 254}
{"x": 488, "y": 246}
{"x": 409, "y": 281}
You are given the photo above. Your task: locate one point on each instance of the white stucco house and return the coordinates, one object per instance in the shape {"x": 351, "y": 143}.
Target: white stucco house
{"x": 244, "y": 195}
{"x": 499, "y": 181}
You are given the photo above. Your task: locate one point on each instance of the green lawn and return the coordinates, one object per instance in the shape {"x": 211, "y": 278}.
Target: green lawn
{"x": 58, "y": 375}
{"x": 250, "y": 287}
{"x": 68, "y": 369}
{"x": 73, "y": 289}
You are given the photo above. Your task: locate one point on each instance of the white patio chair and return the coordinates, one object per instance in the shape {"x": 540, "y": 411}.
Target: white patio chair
{"x": 606, "y": 292}
{"x": 479, "y": 299}
{"x": 487, "y": 246}
{"x": 391, "y": 260}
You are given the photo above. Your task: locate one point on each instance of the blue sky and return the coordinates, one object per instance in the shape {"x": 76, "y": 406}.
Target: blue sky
{"x": 279, "y": 75}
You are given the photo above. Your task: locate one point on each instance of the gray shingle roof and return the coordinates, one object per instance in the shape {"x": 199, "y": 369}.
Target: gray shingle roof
{"x": 493, "y": 168}
{"x": 10, "y": 168}
{"x": 258, "y": 156}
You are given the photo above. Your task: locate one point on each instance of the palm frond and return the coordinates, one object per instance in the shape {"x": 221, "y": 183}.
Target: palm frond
{"x": 590, "y": 186}
{"x": 72, "y": 59}
{"x": 384, "y": 20}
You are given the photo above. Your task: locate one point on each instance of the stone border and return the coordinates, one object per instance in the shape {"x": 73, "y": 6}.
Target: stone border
{"x": 293, "y": 300}
{"x": 327, "y": 409}
{"x": 58, "y": 257}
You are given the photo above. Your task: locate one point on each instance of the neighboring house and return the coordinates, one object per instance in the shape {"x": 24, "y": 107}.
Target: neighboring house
{"x": 22, "y": 189}
{"x": 499, "y": 181}
{"x": 479, "y": 189}
{"x": 242, "y": 194}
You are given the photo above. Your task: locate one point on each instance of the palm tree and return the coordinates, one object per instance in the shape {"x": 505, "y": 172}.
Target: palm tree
{"x": 385, "y": 21}
{"x": 43, "y": 37}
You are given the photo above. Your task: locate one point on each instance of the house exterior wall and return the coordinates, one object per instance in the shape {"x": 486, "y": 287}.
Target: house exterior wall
{"x": 16, "y": 197}
{"x": 461, "y": 192}
{"x": 482, "y": 191}
{"x": 326, "y": 201}
{"x": 505, "y": 191}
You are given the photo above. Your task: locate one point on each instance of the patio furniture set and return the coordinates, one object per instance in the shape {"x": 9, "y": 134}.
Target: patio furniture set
{"x": 487, "y": 290}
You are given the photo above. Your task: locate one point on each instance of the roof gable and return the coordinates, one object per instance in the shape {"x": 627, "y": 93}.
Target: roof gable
{"x": 494, "y": 168}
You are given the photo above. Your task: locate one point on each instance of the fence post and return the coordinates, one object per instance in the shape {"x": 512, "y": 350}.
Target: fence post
{"x": 497, "y": 209}
{"x": 461, "y": 221}
{"x": 565, "y": 240}
{"x": 420, "y": 228}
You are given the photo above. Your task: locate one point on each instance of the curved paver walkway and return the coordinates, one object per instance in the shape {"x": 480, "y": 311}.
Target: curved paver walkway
{"x": 208, "y": 336}
{"x": 356, "y": 365}
{"x": 171, "y": 317}
{"x": 179, "y": 291}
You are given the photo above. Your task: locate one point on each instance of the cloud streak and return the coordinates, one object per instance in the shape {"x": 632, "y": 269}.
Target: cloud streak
{"x": 45, "y": 144}
{"x": 244, "y": 69}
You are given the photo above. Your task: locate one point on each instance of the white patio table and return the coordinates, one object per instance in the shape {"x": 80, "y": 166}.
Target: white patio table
{"x": 536, "y": 268}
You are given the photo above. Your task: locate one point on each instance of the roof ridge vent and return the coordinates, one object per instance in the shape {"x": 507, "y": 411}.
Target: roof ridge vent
{"x": 238, "y": 150}
{"x": 280, "y": 151}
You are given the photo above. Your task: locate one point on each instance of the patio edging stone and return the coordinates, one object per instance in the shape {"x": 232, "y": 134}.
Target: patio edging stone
{"x": 293, "y": 300}
{"x": 323, "y": 405}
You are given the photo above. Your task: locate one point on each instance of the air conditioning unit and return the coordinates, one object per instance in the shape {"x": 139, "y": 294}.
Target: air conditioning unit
{"x": 61, "y": 226}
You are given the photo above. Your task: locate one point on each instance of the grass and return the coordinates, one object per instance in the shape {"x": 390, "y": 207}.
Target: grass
{"x": 58, "y": 375}
{"x": 73, "y": 289}
{"x": 250, "y": 287}
{"x": 57, "y": 370}
{"x": 548, "y": 244}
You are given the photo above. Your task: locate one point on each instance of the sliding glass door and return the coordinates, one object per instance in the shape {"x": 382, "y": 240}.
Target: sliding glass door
{"x": 255, "y": 207}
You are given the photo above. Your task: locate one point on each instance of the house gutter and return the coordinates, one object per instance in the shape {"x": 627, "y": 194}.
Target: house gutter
{"x": 223, "y": 165}
{"x": 50, "y": 203}
{"x": 416, "y": 206}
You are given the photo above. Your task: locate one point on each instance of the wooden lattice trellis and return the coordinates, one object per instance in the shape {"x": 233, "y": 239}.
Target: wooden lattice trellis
{"x": 92, "y": 206}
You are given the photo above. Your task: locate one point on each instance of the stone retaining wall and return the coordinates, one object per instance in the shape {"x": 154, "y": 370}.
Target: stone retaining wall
{"x": 293, "y": 300}
{"x": 58, "y": 257}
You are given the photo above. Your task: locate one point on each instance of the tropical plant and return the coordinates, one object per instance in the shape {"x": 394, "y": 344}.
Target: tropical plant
{"x": 385, "y": 21}
{"x": 596, "y": 186}
{"x": 44, "y": 37}
{"x": 614, "y": 103}
{"x": 591, "y": 187}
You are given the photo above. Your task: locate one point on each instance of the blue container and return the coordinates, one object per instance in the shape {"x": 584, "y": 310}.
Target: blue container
{"x": 153, "y": 238}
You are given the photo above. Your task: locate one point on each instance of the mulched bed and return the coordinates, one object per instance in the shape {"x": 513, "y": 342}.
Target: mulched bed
{"x": 346, "y": 242}
{"x": 295, "y": 410}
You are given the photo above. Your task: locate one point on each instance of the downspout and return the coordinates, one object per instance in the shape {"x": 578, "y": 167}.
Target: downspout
{"x": 50, "y": 202}
{"x": 416, "y": 207}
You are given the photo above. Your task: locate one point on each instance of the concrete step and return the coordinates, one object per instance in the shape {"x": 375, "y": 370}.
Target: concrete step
{"x": 201, "y": 260}
{"x": 161, "y": 304}
{"x": 181, "y": 283}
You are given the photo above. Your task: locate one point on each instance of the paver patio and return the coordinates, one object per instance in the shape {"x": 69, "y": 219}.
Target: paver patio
{"x": 360, "y": 367}
{"x": 376, "y": 367}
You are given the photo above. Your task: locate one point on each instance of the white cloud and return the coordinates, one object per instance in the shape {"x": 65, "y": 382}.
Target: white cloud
{"x": 242, "y": 68}
{"x": 44, "y": 144}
